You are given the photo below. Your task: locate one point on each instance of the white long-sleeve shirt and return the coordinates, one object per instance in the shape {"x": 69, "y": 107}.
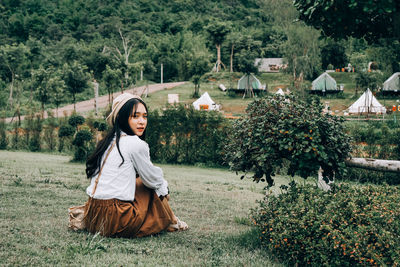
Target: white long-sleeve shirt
{"x": 120, "y": 181}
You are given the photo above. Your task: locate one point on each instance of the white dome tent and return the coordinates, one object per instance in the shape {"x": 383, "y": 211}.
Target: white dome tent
{"x": 205, "y": 103}
{"x": 367, "y": 103}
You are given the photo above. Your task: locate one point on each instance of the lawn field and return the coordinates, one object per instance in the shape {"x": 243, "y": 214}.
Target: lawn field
{"x": 37, "y": 188}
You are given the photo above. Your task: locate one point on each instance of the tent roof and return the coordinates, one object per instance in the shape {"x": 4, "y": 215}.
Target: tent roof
{"x": 324, "y": 82}
{"x": 205, "y": 99}
{"x": 280, "y": 92}
{"x": 393, "y": 83}
{"x": 253, "y": 82}
{"x": 367, "y": 103}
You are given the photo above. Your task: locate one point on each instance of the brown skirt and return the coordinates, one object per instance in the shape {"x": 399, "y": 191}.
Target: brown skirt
{"x": 146, "y": 215}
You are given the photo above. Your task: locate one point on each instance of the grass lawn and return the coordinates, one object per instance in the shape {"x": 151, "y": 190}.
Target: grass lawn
{"x": 37, "y": 189}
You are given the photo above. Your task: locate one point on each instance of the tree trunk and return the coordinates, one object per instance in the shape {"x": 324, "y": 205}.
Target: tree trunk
{"x": 231, "y": 68}
{"x": 374, "y": 164}
{"x": 73, "y": 97}
{"x": 218, "y": 58}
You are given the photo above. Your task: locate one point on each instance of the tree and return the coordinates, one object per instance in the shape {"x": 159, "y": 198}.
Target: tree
{"x": 76, "y": 79}
{"x": 134, "y": 40}
{"x": 278, "y": 130}
{"x": 234, "y": 38}
{"x": 199, "y": 65}
{"x": 15, "y": 60}
{"x": 40, "y": 80}
{"x": 369, "y": 19}
{"x": 111, "y": 78}
{"x": 302, "y": 52}
{"x": 217, "y": 32}
{"x": 333, "y": 53}
{"x": 57, "y": 90}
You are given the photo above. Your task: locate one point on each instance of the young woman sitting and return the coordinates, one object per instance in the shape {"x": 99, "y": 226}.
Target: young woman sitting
{"x": 128, "y": 195}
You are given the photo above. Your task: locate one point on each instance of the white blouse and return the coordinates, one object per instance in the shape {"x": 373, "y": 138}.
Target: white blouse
{"x": 120, "y": 181}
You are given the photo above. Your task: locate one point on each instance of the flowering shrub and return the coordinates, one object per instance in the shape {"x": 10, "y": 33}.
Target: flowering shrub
{"x": 277, "y": 129}
{"x": 351, "y": 225}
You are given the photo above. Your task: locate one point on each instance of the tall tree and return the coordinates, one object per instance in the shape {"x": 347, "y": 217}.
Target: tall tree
{"x": 218, "y": 32}
{"x": 302, "y": 52}
{"x": 112, "y": 79}
{"x": 40, "y": 80}
{"x": 76, "y": 79}
{"x": 14, "y": 59}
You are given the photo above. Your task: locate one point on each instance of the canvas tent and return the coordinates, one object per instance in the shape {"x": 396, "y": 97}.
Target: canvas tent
{"x": 324, "y": 83}
{"x": 367, "y": 103}
{"x": 249, "y": 81}
{"x": 280, "y": 92}
{"x": 205, "y": 103}
{"x": 392, "y": 84}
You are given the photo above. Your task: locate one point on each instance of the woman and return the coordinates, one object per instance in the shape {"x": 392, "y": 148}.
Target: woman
{"x": 121, "y": 203}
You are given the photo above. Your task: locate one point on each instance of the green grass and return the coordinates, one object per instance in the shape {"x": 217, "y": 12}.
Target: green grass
{"x": 37, "y": 189}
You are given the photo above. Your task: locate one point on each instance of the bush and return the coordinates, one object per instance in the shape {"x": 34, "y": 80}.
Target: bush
{"x": 82, "y": 144}
{"x": 3, "y": 135}
{"x": 186, "y": 136}
{"x": 75, "y": 120}
{"x": 351, "y": 225}
{"x": 369, "y": 176}
{"x": 276, "y": 129}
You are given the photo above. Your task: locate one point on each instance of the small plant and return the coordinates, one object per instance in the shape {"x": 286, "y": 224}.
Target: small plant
{"x": 65, "y": 132}
{"x": 75, "y": 120}
{"x": 82, "y": 144}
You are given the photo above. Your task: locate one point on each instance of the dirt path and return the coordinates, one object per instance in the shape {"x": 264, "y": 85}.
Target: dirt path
{"x": 102, "y": 102}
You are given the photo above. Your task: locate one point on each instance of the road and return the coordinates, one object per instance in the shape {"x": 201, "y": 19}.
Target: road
{"x": 102, "y": 102}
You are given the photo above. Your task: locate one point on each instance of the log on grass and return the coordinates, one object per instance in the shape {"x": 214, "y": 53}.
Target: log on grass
{"x": 374, "y": 164}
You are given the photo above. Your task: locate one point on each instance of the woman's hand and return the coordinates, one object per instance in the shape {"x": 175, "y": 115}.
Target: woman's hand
{"x": 166, "y": 197}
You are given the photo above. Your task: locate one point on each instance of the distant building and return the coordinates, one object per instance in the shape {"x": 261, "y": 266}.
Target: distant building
{"x": 269, "y": 64}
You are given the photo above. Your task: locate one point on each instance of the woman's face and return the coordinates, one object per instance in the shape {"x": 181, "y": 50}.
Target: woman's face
{"x": 138, "y": 120}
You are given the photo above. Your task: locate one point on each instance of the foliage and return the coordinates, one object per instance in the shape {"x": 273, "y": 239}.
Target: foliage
{"x": 368, "y": 19}
{"x": 35, "y": 139}
{"x": 75, "y": 120}
{"x": 302, "y": 52}
{"x": 112, "y": 79}
{"x": 66, "y": 130}
{"x": 371, "y": 80}
{"x": 76, "y": 78}
{"x": 186, "y": 136}
{"x": 349, "y": 226}
{"x": 276, "y": 129}
{"x": 49, "y": 133}
{"x": 3, "y": 135}
{"x": 82, "y": 144}
{"x": 333, "y": 53}
{"x": 100, "y": 125}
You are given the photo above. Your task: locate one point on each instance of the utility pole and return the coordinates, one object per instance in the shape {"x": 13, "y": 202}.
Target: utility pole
{"x": 162, "y": 73}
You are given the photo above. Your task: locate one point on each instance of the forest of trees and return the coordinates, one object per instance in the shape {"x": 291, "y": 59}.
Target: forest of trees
{"x": 50, "y": 50}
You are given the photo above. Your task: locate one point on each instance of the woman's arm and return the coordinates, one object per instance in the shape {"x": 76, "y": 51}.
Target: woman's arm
{"x": 151, "y": 175}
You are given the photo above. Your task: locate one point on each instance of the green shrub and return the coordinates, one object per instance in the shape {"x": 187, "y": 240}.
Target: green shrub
{"x": 279, "y": 128}
{"x": 349, "y": 226}
{"x": 35, "y": 140}
{"x": 82, "y": 144}
{"x": 75, "y": 120}
{"x": 370, "y": 176}
{"x": 3, "y": 135}
{"x": 65, "y": 133}
{"x": 186, "y": 136}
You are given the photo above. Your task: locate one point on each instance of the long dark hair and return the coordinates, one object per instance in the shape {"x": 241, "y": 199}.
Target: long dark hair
{"x": 93, "y": 163}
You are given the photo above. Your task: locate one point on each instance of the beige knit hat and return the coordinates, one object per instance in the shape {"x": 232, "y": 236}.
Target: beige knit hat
{"x": 118, "y": 102}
